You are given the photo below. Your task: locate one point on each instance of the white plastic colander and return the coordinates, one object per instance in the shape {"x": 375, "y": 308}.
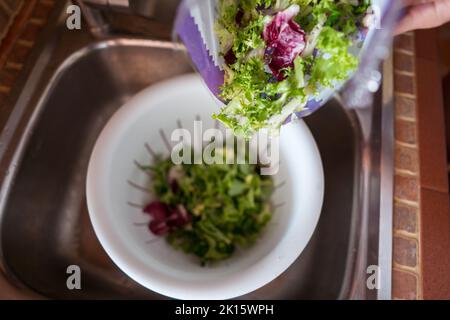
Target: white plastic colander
{"x": 117, "y": 190}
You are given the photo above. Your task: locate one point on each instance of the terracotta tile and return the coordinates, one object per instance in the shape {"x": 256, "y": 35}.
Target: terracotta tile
{"x": 3, "y": 97}
{"x": 446, "y": 89}
{"x": 404, "y": 42}
{"x": 16, "y": 27}
{"x": 406, "y": 188}
{"x": 8, "y": 77}
{"x": 431, "y": 126}
{"x": 404, "y": 84}
{"x": 31, "y": 32}
{"x": 435, "y": 244}
{"x": 405, "y": 107}
{"x": 403, "y": 62}
{"x": 13, "y": 4}
{"x": 444, "y": 48}
{"x": 41, "y": 11}
{"x": 19, "y": 53}
{"x": 430, "y": 113}
{"x": 405, "y": 218}
{"x": 405, "y": 252}
{"x": 404, "y": 285}
{"x": 406, "y": 158}
{"x": 405, "y": 131}
{"x": 426, "y": 44}
{"x": 4, "y": 19}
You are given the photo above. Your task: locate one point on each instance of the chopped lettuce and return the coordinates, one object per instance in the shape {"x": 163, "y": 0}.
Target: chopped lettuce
{"x": 334, "y": 62}
{"x": 256, "y": 97}
{"x": 229, "y": 208}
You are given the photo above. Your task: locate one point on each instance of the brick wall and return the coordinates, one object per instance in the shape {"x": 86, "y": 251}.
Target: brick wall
{"x": 8, "y": 11}
{"x": 421, "y": 260}
{"x": 18, "y": 36}
{"x": 406, "y": 275}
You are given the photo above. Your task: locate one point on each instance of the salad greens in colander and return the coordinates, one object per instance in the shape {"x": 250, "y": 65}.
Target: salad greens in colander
{"x": 208, "y": 210}
{"x": 279, "y": 54}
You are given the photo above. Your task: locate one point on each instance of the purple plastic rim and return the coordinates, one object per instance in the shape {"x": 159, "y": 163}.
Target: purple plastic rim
{"x": 190, "y": 35}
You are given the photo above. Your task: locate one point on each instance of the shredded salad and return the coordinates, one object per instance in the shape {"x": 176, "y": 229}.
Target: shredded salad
{"x": 208, "y": 210}
{"x": 278, "y": 54}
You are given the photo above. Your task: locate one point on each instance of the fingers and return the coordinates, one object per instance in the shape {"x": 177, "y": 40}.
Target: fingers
{"x": 426, "y": 14}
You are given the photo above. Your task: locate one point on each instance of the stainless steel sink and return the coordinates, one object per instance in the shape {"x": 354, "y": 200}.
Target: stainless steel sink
{"x": 45, "y": 226}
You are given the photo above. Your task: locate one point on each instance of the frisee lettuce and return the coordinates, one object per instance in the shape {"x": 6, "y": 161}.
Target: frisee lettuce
{"x": 229, "y": 205}
{"x": 254, "y": 98}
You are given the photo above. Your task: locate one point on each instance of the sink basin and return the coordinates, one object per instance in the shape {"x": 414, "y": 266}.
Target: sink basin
{"x": 44, "y": 220}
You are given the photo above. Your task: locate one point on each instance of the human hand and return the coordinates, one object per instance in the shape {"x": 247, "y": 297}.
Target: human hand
{"x": 423, "y": 14}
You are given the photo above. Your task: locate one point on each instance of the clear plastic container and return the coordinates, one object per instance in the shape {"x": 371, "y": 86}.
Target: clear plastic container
{"x": 194, "y": 26}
